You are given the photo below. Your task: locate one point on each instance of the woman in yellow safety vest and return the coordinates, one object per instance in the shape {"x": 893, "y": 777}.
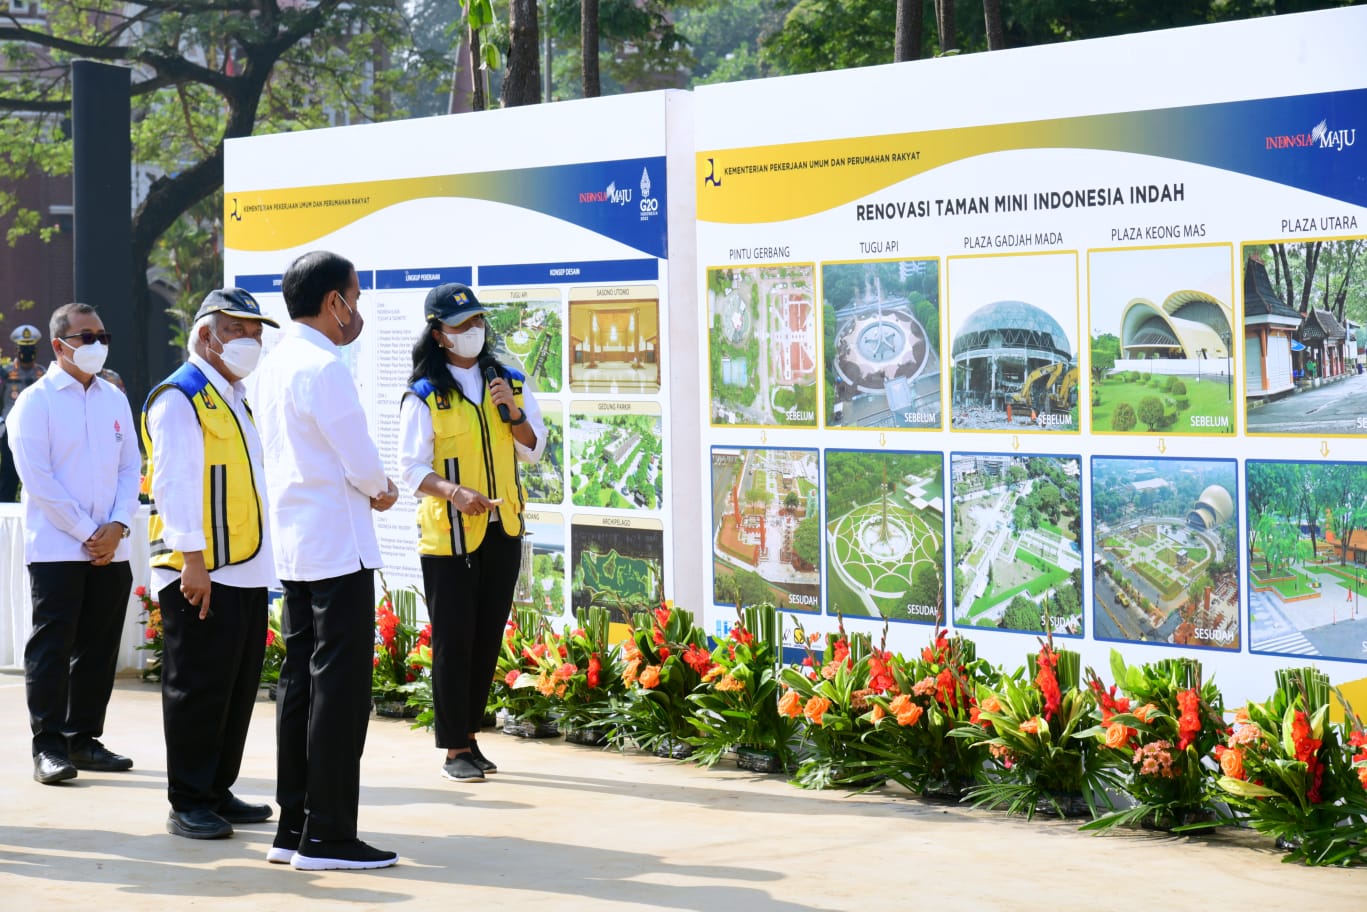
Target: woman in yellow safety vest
{"x": 466, "y": 421}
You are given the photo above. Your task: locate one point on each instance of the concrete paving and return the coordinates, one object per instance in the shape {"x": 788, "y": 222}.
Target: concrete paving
{"x": 568, "y": 827}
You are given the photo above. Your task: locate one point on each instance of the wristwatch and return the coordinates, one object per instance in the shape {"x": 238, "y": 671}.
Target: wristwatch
{"x": 521, "y": 419}
{"x": 126, "y": 531}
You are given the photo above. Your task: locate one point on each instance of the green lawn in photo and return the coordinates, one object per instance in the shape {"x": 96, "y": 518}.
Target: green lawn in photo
{"x": 1061, "y": 533}
{"x": 1351, "y": 577}
{"x": 1210, "y": 397}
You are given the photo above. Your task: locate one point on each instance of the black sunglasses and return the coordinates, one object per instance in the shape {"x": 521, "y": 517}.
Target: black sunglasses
{"x": 88, "y": 337}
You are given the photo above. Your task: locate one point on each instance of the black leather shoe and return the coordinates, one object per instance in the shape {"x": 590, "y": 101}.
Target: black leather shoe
{"x": 50, "y": 767}
{"x": 198, "y": 823}
{"x": 100, "y": 759}
{"x": 235, "y": 810}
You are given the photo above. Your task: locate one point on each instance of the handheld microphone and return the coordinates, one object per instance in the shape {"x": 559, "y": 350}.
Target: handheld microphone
{"x": 490, "y": 375}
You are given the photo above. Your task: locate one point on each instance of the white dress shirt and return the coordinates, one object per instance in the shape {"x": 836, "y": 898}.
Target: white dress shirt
{"x": 178, "y": 481}
{"x": 76, "y": 450}
{"x": 416, "y": 445}
{"x": 322, "y": 468}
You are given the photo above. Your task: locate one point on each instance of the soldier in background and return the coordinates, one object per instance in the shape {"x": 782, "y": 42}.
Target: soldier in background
{"x": 22, "y": 373}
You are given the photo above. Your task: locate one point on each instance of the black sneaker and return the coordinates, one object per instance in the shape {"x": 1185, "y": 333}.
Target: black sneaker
{"x": 484, "y": 763}
{"x": 285, "y": 845}
{"x": 461, "y": 768}
{"x": 100, "y": 759}
{"x": 342, "y": 855}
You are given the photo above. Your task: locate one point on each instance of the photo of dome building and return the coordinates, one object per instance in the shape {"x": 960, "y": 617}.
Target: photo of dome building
{"x": 1213, "y": 508}
{"x": 998, "y": 346}
{"x": 1188, "y": 325}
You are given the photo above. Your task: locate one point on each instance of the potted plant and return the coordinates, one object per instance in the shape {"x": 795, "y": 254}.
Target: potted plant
{"x": 653, "y": 713}
{"x": 274, "y": 657}
{"x": 524, "y": 680}
{"x": 735, "y": 706}
{"x": 152, "y": 635}
{"x": 1161, "y": 737}
{"x": 594, "y": 679}
{"x": 396, "y": 637}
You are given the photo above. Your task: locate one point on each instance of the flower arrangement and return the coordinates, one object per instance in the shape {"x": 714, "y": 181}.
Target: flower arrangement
{"x": 1284, "y": 769}
{"x": 524, "y": 680}
{"x": 398, "y": 640}
{"x": 830, "y": 693}
{"x": 917, "y": 703}
{"x": 153, "y": 640}
{"x": 654, "y": 712}
{"x": 1032, "y": 724}
{"x": 735, "y": 706}
{"x": 1161, "y": 736}
{"x": 590, "y": 668}
{"x": 275, "y": 645}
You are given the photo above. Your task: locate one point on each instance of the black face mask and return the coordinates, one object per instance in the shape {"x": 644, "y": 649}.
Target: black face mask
{"x": 351, "y": 329}
{"x": 27, "y": 354}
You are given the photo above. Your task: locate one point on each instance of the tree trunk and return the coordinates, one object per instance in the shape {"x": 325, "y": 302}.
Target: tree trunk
{"x": 944, "y": 24}
{"x": 462, "y": 80}
{"x": 588, "y": 40}
{"x": 522, "y": 82}
{"x": 907, "y": 37}
{"x": 477, "y": 99}
{"x": 992, "y": 18}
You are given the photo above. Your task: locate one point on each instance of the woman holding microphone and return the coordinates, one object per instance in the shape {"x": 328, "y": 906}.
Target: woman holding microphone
{"x": 466, "y": 421}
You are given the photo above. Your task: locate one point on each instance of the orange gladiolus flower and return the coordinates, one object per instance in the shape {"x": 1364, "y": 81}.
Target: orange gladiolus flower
{"x": 650, "y": 677}
{"x": 992, "y": 705}
{"x": 1143, "y": 712}
{"x": 629, "y": 673}
{"x": 878, "y": 714}
{"x": 815, "y": 709}
{"x": 1031, "y": 726}
{"x": 899, "y": 704}
{"x": 790, "y": 705}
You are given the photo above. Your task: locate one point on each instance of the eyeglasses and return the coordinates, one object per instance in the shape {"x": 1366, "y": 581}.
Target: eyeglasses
{"x": 88, "y": 337}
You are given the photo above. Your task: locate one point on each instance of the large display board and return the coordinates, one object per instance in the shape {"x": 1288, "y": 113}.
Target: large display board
{"x": 565, "y": 220}
{"x": 1062, "y": 338}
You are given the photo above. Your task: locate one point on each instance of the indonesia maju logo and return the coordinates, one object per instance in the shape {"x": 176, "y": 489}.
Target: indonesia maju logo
{"x": 1319, "y": 137}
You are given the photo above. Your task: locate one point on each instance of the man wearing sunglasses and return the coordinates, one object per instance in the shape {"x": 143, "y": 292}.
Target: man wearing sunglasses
{"x": 211, "y": 562}
{"x": 76, "y": 449}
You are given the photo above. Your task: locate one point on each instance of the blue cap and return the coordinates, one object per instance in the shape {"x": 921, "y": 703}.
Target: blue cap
{"x": 452, "y": 304}
{"x": 235, "y": 302}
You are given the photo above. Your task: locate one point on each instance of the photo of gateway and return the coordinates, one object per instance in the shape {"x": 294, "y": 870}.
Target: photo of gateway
{"x": 766, "y": 527}
{"x": 762, "y": 345}
{"x": 881, "y": 324}
{"x": 1013, "y": 350}
{"x": 1164, "y": 553}
{"x": 1307, "y": 558}
{"x": 1162, "y": 350}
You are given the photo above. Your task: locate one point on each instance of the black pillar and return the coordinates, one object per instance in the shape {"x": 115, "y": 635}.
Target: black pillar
{"x": 103, "y": 202}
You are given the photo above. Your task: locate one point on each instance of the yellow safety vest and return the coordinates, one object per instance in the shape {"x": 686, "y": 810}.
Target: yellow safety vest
{"x": 473, "y": 447}
{"x": 232, "y": 506}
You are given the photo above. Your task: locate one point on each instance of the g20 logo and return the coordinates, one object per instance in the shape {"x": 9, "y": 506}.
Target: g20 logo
{"x": 650, "y": 205}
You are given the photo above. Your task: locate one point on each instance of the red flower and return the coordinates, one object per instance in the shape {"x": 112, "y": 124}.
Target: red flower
{"x": 564, "y": 653}
{"x": 150, "y": 633}
{"x": 1047, "y": 681}
{"x": 1189, "y": 721}
{"x": 595, "y": 670}
{"x": 700, "y": 660}
{"x": 947, "y": 689}
{"x": 840, "y": 651}
{"x": 662, "y": 615}
{"x": 566, "y": 671}
{"x": 510, "y": 678}
{"x": 664, "y": 653}
{"x": 270, "y": 637}
{"x": 742, "y": 636}
{"x": 140, "y": 592}
{"x": 579, "y": 632}
{"x": 659, "y": 637}
{"x": 1307, "y": 752}
{"x": 880, "y": 677}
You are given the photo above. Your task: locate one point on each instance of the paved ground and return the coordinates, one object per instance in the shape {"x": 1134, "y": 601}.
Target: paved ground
{"x": 566, "y": 827}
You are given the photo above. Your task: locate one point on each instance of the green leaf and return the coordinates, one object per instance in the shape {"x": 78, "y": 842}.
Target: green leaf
{"x": 1246, "y": 789}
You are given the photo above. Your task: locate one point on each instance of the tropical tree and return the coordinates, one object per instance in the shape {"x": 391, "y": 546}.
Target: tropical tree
{"x": 202, "y": 72}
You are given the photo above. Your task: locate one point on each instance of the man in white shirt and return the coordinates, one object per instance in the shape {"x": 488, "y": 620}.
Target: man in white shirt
{"x": 75, "y": 446}
{"x": 211, "y": 563}
{"x": 323, "y": 477}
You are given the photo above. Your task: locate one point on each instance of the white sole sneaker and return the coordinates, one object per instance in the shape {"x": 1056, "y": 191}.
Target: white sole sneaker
{"x": 279, "y": 856}
{"x": 310, "y": 863}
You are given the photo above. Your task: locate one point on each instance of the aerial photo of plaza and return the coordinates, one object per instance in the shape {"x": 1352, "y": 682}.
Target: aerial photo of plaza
{"x": 766, "y": 527}
{"x": 762, "y": 345}
{"x": 615, "y": 460}
{"x": 1017, "y": 548}
{"x": 1164, "y": 551}
{"x": 881, "y": 325}
{"x": 527, "y": 321}
{"x": 885, "y": 535}
{"x": 1307, "y": 558}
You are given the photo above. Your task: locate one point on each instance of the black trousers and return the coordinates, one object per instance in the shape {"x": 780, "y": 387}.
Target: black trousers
{"x": 323, "y": 703}
{"x": 211, "y": 671}
{"x": 9, "y": 473}
{"x": 469, "y": 602}
{"x": 70, "y": 658}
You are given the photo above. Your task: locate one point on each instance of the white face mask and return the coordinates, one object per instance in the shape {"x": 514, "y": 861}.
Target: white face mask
{"x": 240, "y": 355}
{"x": 467, "y": 344}
{"x": 89, "y": 359}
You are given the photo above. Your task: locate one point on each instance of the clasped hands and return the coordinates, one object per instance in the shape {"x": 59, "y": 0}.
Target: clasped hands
{"x": 103, "y": 542}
